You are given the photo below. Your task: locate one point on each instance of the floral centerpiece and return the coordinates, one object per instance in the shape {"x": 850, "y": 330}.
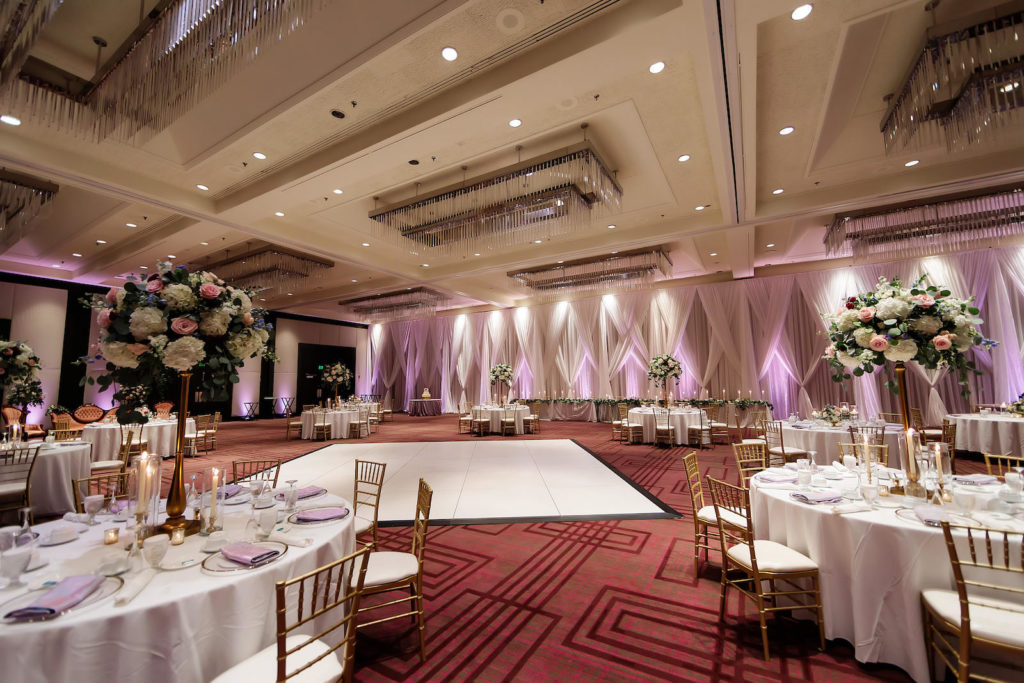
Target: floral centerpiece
{"x": 19, "y": 375}
{"x": 502, "y": 374}
{"x": 1017, "y": 407}
{"x": 923, "y": 323}
{"x": 335, "y": 377}
{"x": 661, "y": 368}
{"x": 830, "y": 414}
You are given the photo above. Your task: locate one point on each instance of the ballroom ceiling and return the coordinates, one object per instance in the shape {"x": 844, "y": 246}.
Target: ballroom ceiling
{"x": 736, "y": 73}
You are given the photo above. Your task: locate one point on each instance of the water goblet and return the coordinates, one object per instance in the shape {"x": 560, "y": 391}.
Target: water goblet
{"x": 268, "y": 520}
{"x": 964, "y": 499}
{"x": 154, "y": 548}
{"x": 291, "y": 496}
{"x": 14, "y": 562}
{"x": 92, "y": 505}
{"x": 869, "y": 492}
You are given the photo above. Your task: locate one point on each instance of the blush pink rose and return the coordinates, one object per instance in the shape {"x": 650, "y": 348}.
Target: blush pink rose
{"x": 103, "y": 319}
{"x": 208, "y": 290}
{"x": 879, "y": 343}
{"x": 138, "y": 349}
{"x": 184, "y": 325}
{"x": 941, "y": 342}
{"x": 111, "y": 296}
{"x": 30, "y": 362}
{"x": 154, "y": 286}
{"x": 866, "y": 314}
{"x": 247, "y": 318}
{"x": 830, "y": 351}
{"x": 923, "y": 300}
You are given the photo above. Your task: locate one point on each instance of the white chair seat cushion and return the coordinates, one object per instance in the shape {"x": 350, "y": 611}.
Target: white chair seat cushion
{"x": 719, "y": 425}
{"x": 772, "y": 557}
{"x": 932, "y": 432}
{"x": 105, "y": 464}
{"x": 387, "y": 567}
{"x": 262, "y": 666}
{"x": 362, "y": 524}
{"x": 757, "y": 441}
{"x": 993, "y": 619}
{"x": 707, "y": 514}
{"x": 789, "y": 451}
{"x": 12, "y": 488}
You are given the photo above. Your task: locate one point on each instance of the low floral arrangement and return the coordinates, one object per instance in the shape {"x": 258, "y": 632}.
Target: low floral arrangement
{"x": 19, "y": 374}
{"x": 502, "y": 372}
{"x": 336, "y": 376}
{"x": 56, "y": 408}
{"x": 921, "y": 323}
{"x": 1017, "y": 407}
{"x": 744, "y": 403}
{"x": 174, "y": 321}
{"x": 662, "y": 367}
{"x": 830, "y": 414}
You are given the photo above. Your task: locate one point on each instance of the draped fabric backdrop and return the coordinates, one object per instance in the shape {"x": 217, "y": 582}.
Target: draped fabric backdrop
{"x": 762, "y": 338}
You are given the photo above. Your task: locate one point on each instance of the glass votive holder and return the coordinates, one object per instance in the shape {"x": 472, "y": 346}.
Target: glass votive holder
{"x": 110, "y": 536}
{"x": 178, "y": 536}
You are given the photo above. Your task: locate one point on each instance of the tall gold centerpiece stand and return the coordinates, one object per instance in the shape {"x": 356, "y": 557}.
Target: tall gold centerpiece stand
{"x": 176, "y": 496}
{"x": 914, "y": 488}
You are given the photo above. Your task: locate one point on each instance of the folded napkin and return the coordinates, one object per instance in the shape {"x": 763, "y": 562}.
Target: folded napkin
{"x": 248, "y": 554}
{"x": 230, "y": 490}
{"x": 65, "y": 595}
{"x": 847, "y": 508}
{"x": 976, "y": 478}
{"x": 80, "y": 518}
{"x": 840, "y": 467}
{"x": 776, "y": 475}
{"x": 931, "y": 514}
{"x": 297, "y": 541}
{"x": 118, "y": 505}
{"x": 784, "y": 486}
{"x": 817, "y": 497}
{"x": 321, "y": 514}
{"x": 133, "y": 585}
{"x": 304, "y": 492}
{"x": 800, "y": 425}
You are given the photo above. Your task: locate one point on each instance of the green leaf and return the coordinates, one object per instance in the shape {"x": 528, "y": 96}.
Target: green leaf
{"x": 973, "y": 311}
{"x": 857, "y": 372}
{"x": 890, "y": 322}
{"x": 945, "y": 292}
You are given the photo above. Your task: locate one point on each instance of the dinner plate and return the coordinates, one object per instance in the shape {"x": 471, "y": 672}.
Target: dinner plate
{"x": 888, "y": 503}
{"x": 238, "y": 499}
{"x": 954, "y": 517}
{"x": 45, "y": 542}
{"x": 300, "y": 501}
{"x": 218, "y": 564}
{"x": 182, "y": 557}
{"x": 107, "y": 588}
{"x": 292, "y": 518}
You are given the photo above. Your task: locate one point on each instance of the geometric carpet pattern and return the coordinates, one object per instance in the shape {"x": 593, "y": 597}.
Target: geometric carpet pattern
{"x": 609, "y": 600}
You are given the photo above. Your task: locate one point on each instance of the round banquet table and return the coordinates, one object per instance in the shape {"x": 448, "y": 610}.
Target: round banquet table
{"x": 56, "y": 466}
{"x": 993, "y": 433}
{"x": 682, "y": 420}
{"x": 424, "y": 407}
{"x": 873, "y": 566}
{"x": 338, "y": 419}
{"x": 496, "y": 413}
{"x": 185, "y": 626}
{"x": 160, "y": 434}
{"x": 824, "y": 441}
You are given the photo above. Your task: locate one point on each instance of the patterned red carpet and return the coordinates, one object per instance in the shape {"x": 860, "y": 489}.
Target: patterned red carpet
{"x": 609, "y": 600}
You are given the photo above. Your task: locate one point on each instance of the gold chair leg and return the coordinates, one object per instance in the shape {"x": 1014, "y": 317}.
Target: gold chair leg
{"x": 701, "y": 537}
{"x": 821, "y": 614}
{"x": 422, "y": 621}
{"x": 764, "y": 627}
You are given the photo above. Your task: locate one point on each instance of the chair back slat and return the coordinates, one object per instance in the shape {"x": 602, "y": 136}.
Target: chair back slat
{"x": 751, "y": 458}
{"x": 108, "y": 485}
{"x": 998, "y": 465}
{"x": 874, "y": 435}
{"x": 424, "y": 497}
{"x": 692, "y": 465}
{"x": 732, "y": 505}
{"x": 262, "y": 470}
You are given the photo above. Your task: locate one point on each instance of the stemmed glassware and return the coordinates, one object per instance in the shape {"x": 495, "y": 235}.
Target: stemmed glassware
{"x": 15, "y": 556}
{"x": 92, "y": 505}
{"x": 291, "y": 496}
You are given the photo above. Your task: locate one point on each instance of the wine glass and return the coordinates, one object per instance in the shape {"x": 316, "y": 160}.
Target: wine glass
{"x": 25, "y": 514}
{"x": 14, "y": 561}
{"x": 291, "y": 496}
{"x": 92, "y": 505}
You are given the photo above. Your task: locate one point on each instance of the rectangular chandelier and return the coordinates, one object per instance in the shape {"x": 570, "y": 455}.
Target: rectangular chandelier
{"x": 549, "y": 195}
{"x": 966, "y": 87}
{"x": 271, "y": 268}
{"x": 405, "y": 303}
{"x": 22, "y": 197}
{"x": 908, "y": 231}
{"x": 624, "y": 270}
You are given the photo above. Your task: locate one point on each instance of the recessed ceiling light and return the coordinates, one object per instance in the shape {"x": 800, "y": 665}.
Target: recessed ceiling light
{"x": 699, "y": 208}
{"x": 912, "y": 162}
{"x": 202, "y": 187}
{"x": 337, "y": 191}
{"x": 787, "y": 130}
{"x": 515, "y": 123}
{"x": 355, "y": 281}
{"x": 205, "y": 244}
{"x": 171, "y": 256}
{"x": 366, "y": 244}
{"x": 450, "y": 54}
{"x": 611, "y": 227}
{"x": 778, "y": 191}
{"x": 76, "y": 254}
{"x": 770, "y": 245}
{"x": 262, "y": 299}
{"x": 476, "y": 254}
{"x": 10, "y": 120}
{"x": 1010, "y": 87}
{"x": 101, "y": 241}
{"x": 714, "y": 253}
{"x": 259, "y": 155}
{"x": 615, "y": 252}
{"x": 657, "y": 67}
{"x": 290, "y": 294}
{"x": 802, "y": 12}
{"x": 424, "y": 265}
{"x": 143, "y": 267}
{"x": 538, "y": 241}
{"x": 55, "y": 265}
{"x": 130, "y": 225}
{"x": 683, "y": 157}
{"x": 279, "y": 214}
{"x": 561, "y": 261}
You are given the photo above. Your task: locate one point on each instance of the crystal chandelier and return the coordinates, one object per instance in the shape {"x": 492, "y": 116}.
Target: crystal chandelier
{"x": 271, "y": 268}
{"x": 966, "y": 87}
{"x": 406, "y": 303}
{"x": 22, "y": 197}
{"x": 910, "y": 231}
{"x": 548, "y": 195}
{"x": 624, "y": 270}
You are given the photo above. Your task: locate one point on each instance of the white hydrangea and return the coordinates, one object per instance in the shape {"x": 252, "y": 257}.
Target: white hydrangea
{"x": 215, "y": 323}
{"x": 847, "y": 320}
{"x": 847, "y": 360}
{"x": 119, "y": 354}
{"x": 263, "y": 334}
{"x": 892, "y": 308}
{"x": 863, "y": 335}
{"x": 905, "y": 350}
{"x": 147, "y": 321}
{"x": 182, "y": 354}
{"x": 926, "y": 324}
{"x": 962, "y": 339}
{"x": 158, "y": 342}
{"x": 179, "y": 297}
{"x": 244, "y": 344}
{"x": 960, "y": 321}
{"x": 245, "y": 301}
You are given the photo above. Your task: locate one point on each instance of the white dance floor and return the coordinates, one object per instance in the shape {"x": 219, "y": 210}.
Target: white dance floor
{"x": 485, "y": 481}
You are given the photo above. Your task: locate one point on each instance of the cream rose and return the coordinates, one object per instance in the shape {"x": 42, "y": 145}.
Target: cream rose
{"x": 179, "y": 297}
{"x": 182, "y": 354}
{"x": 905, "y": 350}
{"x": 119, "y": 354}
{"x": 214, "y": 323}
{"x": 244, "y": 344}
{"x": 146, "y": 322}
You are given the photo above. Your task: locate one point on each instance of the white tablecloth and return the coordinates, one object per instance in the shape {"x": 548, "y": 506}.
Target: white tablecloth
{"x": 185, "y": 626}
{"x": 495, "y": 414}
{"x": 106, "y": 437}
{"x": 681, "y": 420}
{"x": 338, "y": 419}
{"x": 824, "y": 441}
{"x": 55, "y": 468}
{"x": 997, "y": 433}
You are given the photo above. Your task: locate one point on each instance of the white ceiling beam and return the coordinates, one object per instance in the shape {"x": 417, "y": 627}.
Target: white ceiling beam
{"x": 740, "y": 242}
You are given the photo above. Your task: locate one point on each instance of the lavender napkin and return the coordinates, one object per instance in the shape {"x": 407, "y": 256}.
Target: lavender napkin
{"x": 818, "y": 497}
{"x": 931, "y": 514}
{"x": 304, "y": 492}
{"x": 976, "y": 478}
{"x": 230, "y": 490}
{"x": 65, "y": 595}
{"x": 321, "y": 514}
{"x": 776, "y": 475}
{"x": 248, "y": 554}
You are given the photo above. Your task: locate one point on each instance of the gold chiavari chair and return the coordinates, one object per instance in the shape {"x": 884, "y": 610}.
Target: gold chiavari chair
{"x": 617, "y": 422}
{"x": 747, "y": 564}
{"x": 211, "y": 432}
{"x": 777, "y": 449}
{"x": 120, "y": 463}
{"x": 949, "y": 438}
{"x": 533, "y": 418}
{"x": 392, "y": 571}
{"x": 465, "y": 420}
{"x": 481, "y": 422}
{"x": 322, "y": 427}
{"x": 891, "y": 418}
{"x": 366, "y": 497}
{"x": 386, "y": 412}
{"x": 879, "y": 452}
{"x": 757, "y": 417}
{"x": 132, "y": 435}
{"x": 664, "y": 432}
{"x": 63, "y": 428}
{"x": 16, "y": 467}
{"x": 329, "y": 595}
{"x": 983, "y": 619}
{"x": 251, "y": 470}
{"x": 751, "y": 458}
{"x": 717, "y": 423}
{"x": 508, "y": 420}
{"x": 292, "y": 423}
{"x": 874, "y": 434}
{"x": 623, "y": 411}
{"x": 196, "y": 443}
{"x": 998, "y": 465}
{"x": 108, "y": 485}
{"x": 705, "y": 524}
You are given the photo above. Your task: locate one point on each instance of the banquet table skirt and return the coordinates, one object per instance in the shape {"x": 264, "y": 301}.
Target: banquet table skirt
{"x": 680, "y": 420}
{"x": 495, "y": 416}
{"x": 580, "y": 412}
{"x": 338, "y": 419}
{"x": 989, "y": 433}
{"x": 51, "y": 485}
{"x": 424, "y": 407}
{"x": 824, "y": 441}
{"x": 106, "y": 437}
